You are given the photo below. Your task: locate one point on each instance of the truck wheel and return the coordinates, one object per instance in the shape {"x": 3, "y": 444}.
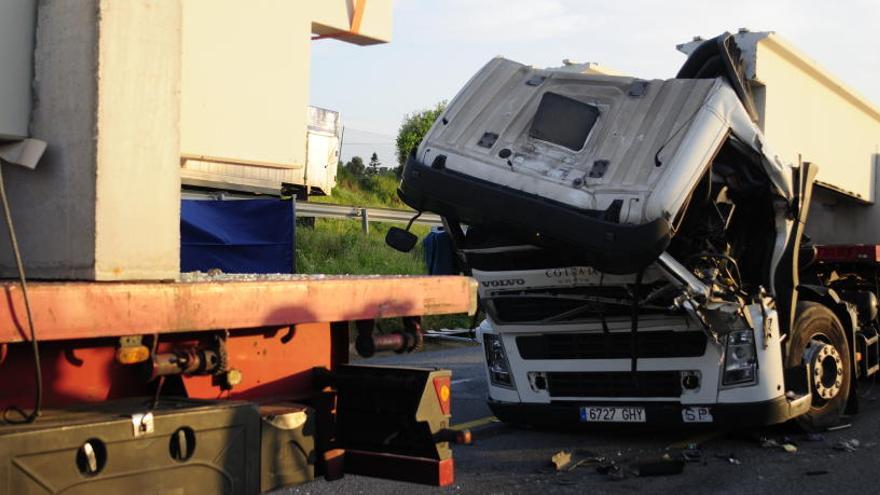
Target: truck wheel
{"x": 819, "y": 343}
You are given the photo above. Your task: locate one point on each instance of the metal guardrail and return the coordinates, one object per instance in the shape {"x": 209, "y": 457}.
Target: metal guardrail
{"x": 366, "y": 215}
{"x": 306, "y": 209}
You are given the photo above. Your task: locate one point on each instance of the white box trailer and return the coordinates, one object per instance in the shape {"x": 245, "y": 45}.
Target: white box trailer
{"x": 810, "y": 115}
{"x": 316, "y": 176}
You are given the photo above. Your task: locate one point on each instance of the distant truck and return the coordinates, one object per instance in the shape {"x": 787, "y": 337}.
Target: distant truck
{"x": 317, "y": 177}
{"x": 702, "y": 249}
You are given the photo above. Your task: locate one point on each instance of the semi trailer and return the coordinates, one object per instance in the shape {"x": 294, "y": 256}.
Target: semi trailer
{"x": 700, "y": 249}
{"x": 220, "y": 384}
{"x": 119, "y": 373}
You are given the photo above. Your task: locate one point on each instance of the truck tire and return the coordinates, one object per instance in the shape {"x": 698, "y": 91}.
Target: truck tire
{"x": 818, "y": 341}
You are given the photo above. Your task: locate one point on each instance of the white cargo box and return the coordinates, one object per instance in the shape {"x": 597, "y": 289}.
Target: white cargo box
{"x": 807, "y": 113}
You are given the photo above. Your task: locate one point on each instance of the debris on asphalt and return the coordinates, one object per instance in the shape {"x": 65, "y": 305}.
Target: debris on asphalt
{"x": 730, "y": 458}
{"x": 786, "y": 445}
{"x": 692, "y": 455}
{"x": 769, "y": 443}
{"x": 817, "y": 472}
{"x": 611, "y": 470}
{"x": 847, "y": 445}
{"x": 840, "y": 427}
{"x": 815, "y": 437}
{"x": 561, "y": 460}
{"x": 659, "y": 467}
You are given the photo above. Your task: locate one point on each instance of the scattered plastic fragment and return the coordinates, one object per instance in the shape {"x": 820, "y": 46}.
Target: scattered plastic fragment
{"x": 692, "y": 455}
{"x": 611, "y": 470}
{"x": 660, "y": 467}
{"x": 769, "y": 443}
{"x": 786, "y": 445}
{"x": 840, "y": 427}
{"x": 730, "y": 458}
{"x": 561, "y": 460}
{"x": 847, "y": 445}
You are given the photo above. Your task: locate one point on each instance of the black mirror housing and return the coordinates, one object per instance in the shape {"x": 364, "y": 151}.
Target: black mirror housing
{"x": 400, "y": 239}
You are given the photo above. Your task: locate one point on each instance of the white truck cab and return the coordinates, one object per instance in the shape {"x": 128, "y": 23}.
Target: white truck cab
{"x": 644, "y": 252}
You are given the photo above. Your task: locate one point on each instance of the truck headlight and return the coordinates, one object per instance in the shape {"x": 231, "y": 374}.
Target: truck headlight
{"x": 496, "y": 361}
{"x": 740, "y": 358}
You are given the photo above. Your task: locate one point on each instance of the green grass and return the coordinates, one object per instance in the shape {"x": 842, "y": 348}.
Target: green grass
{"x": 378, "y": 191}
{"x": 339, "y": 247}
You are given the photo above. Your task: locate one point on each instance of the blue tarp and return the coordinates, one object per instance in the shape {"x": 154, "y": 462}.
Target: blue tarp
{"x": 237, "y": 236}
{"x": 439, "y": 254}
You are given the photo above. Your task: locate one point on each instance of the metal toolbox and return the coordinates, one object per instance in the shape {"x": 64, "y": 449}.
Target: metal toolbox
{"x": 182, "y": 447}
{"x": 288, "y": 445}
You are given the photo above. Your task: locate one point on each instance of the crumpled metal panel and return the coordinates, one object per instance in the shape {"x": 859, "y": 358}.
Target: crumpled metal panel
{"x": 653, "y": 139}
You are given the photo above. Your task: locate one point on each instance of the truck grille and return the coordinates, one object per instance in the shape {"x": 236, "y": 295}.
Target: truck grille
{"x": 617, "y": 345}
{"x": 540, "y": 305}
{"x": 614, "y": 384}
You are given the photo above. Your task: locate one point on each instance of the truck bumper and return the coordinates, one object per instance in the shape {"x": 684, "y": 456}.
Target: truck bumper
{"x": 564, "y": 414}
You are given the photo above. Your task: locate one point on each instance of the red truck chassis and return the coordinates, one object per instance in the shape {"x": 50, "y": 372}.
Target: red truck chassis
{"x": 264, "y": 342}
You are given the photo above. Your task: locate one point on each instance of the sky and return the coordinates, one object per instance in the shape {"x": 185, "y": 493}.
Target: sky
{"x": 437, "y": 45}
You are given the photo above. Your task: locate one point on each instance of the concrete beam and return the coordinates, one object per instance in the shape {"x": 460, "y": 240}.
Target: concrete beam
{"x": 103, "y": 204}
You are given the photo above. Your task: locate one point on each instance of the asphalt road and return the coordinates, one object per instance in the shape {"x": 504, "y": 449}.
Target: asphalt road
{"x": 507, "y": 459}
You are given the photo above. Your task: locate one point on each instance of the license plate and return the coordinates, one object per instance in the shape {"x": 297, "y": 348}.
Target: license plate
{"x": 696, "y": 415}
{"x": 612, "y": 414}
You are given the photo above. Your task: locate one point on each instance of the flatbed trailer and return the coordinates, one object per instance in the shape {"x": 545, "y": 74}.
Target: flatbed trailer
{"x": 129, "y": 368}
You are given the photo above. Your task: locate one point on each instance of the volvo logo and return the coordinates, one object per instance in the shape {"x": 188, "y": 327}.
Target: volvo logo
{"x": 510, "y": 282}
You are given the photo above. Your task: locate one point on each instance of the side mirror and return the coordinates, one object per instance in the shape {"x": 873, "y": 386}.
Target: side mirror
{"x": 400, "y": 239}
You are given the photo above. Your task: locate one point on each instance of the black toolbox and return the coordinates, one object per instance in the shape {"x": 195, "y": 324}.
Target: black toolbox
{"x": 182, "y": 446}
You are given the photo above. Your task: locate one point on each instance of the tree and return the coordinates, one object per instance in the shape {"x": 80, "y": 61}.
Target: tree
{"x": 355, "y": 167}
{"x": 374, "y": 164}
{"x": 414, "y": 127}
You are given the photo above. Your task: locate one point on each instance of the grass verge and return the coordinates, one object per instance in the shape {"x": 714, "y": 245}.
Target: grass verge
{"x": 338, "y": 247}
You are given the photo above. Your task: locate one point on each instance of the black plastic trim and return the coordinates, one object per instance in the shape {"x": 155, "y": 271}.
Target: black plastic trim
{"x": 608, "y": 246}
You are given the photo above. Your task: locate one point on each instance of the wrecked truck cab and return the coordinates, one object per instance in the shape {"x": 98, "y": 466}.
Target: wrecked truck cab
{"x": 637, "y": 248}
{"x": 602, "y": 165}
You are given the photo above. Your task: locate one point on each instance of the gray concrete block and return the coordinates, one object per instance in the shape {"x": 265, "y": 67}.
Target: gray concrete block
{"x": 104, "y": 202}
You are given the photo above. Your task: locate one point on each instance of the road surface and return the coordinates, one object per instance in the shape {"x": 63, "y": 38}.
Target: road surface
{"x": 506, "y": 459}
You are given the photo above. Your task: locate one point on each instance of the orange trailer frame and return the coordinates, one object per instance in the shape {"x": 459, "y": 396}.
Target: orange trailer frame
{"x": 275, "y": 333}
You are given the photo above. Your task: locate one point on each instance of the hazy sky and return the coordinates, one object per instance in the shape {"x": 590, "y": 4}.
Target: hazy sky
{"x": 438, "y": 44}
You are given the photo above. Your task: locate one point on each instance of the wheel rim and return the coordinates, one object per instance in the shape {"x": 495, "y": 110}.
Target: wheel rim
{"x": 826, "y": 368}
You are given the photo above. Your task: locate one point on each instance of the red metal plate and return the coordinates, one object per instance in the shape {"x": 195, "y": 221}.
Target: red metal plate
{"x": 848, "y": 253}
{"x": 81, "y": 310}
{"x": 400, "y": 467}
{"x": 273, "y": 363}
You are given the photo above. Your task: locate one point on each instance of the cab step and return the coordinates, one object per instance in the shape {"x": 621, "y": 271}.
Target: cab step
{"x": 868, "y": 348}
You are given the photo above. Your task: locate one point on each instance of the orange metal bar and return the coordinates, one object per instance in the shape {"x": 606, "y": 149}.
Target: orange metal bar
{"x": 82, "y": 310}
{"x": 358, "y": 16}
{"x": 355, "y": 29}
